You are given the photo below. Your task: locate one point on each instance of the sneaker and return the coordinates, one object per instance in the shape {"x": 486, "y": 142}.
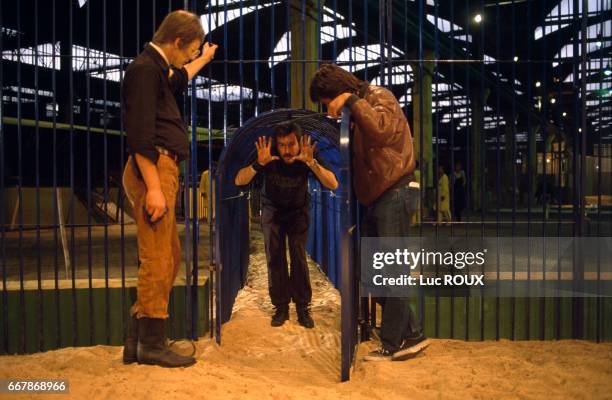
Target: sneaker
{"x": 410, "y": 348}
{"x": 280, "y": 316}
{"x": 380, "y": 354}
{"x": 305, "y": 319}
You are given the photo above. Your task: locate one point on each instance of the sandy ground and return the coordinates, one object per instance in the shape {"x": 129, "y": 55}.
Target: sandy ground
{"x": 261, "y": 362}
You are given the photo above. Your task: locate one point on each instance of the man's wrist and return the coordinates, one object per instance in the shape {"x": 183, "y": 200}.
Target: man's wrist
{"x": 257, "y": 166}
{"x": 312, "y": 163}
{"x": 351, "y": 100}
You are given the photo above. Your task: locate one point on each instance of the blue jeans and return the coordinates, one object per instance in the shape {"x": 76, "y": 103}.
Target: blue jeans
{"x": 390, "y": 216}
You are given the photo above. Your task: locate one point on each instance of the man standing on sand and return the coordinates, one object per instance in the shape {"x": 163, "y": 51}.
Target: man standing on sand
{"x": 157, "y": 142}
{"x": 285, "y": 166}
{"x": 384, "y": 182}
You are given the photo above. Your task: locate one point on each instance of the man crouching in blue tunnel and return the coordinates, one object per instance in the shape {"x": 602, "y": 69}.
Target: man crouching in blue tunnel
{"x": 383, "y": 181}
{"x": 285, "y": 162}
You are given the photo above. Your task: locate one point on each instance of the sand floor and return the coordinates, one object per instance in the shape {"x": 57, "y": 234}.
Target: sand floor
{"x": 261, "y": 362}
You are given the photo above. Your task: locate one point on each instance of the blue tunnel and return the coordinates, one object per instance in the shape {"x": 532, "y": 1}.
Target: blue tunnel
{"x": 232, "y": 203}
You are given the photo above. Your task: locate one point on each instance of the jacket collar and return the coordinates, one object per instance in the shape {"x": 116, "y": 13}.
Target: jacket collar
{"x": 157, "y": 58}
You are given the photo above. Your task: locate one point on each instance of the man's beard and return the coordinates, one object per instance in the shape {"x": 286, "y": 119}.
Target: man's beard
{"x": 288, "y": 159}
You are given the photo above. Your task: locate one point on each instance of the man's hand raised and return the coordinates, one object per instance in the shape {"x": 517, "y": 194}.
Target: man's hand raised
{"x": 264, "y": 154}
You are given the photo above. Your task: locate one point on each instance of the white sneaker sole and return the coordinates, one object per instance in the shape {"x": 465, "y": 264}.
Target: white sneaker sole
{"x": 376, "y": 359}
{"x": 410, "y": 352}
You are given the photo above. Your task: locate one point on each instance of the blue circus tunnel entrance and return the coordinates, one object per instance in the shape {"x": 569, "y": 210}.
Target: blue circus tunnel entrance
{"x": 332, "y": 238}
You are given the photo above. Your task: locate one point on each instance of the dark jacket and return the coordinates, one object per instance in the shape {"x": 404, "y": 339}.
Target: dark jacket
{"x": 382, "y": 143}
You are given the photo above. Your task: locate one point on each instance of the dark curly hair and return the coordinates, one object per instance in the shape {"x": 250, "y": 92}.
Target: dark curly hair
{"x": 286, "y": 129}
{"x": 330, "y": 81}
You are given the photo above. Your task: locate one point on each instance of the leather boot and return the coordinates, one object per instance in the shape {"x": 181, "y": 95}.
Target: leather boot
{"x": 152, "y": 348}
{"x": 131, "y": 341}
{"x": 280, "y": 316}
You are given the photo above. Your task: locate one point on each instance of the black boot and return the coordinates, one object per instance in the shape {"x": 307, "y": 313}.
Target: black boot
{"x": 304, "y": 317}
{"x": 131, "y": 341}
{"x": 280, "y": 316}
{"x": 152, "y": 347}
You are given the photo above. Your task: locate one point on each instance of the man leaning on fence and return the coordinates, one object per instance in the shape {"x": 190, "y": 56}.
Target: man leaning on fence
{"x": 157, "y": 142}
{"x": 384, "y": 182}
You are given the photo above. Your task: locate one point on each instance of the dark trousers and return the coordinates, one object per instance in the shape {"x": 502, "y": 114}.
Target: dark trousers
{"x": 285, "y": 285}
{"x": 389, "y": 216}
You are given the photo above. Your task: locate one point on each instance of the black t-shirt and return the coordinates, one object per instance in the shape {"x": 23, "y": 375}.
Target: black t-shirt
{"x": 285, "y": 186}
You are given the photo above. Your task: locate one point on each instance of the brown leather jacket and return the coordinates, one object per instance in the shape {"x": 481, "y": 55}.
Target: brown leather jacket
{"x": 382, "y": 143}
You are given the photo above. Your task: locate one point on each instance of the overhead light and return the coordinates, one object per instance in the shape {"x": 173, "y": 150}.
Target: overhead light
{"x": 538, "y": 84}
{"x": 579, "y": 129}
{"x": 515, "y": 58}
{"x": 607, "y": 71}
{"x": 564, "y": 114}
{"x": 553, "y": 100}
{"x": 599, "y": 43}
{"x": 478, "y": 18}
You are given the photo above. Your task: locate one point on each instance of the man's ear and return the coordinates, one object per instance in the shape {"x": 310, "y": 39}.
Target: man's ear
{"x": 178, "y": 43}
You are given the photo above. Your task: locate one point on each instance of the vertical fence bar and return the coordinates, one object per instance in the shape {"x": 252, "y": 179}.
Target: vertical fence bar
{"x": 389, "y": 41}
{"x": 210, "y": 192}
{"x": 240, "y": 66}
{"x": 469, "y": 126}
{"x": 272, "y": 46}
{"x": 105, "y": 168}
{"x": 381, "y": 41}
{"x": 124, "y": 316}
{"x": 350, "y": 37}
{"x": 545, "y": 203}
{"x": 559, "y": 169}
{"x": 89, "y": 187}
{"x": 303, "y": 22}
{"x": 599, "y": 168}
{"x": 580, "y": 303}
{"x": 513, "y": 163}
{"x": 335, "y": 43}
{"x": 498, "y": 170}
{"x": 68, "y": 64}
{"x": 256, "y": 64}
{"x": 483, "y": 159}
{"x": 288, "y": 48}
{"x": 452, "y": 145}
{"x": 192, "y": 320}
{"x": 366, "y": 38}
{"x": 531, "y": 147}
{"x": 5, "y": 331}
{"x": 22, "y": 340}
{"x": 436, "y": 103}
{"x": 56, "y": 220}
{"x": 40, "y": 331}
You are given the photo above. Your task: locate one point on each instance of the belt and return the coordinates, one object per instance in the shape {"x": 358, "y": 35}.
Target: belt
{"x": 406, "y": 180}
{"x": 168, "y": 153}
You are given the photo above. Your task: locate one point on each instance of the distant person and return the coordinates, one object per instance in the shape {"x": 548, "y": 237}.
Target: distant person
{"x": 285, "y": 161}
{"x": 384, "y": 182}
{"x": 157, "y": 142}
{"x": 416, "y": 217}
{"x": 459, "y": 194}
{"x": 443, "y": 203}
{"x": 207, "y": 191}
